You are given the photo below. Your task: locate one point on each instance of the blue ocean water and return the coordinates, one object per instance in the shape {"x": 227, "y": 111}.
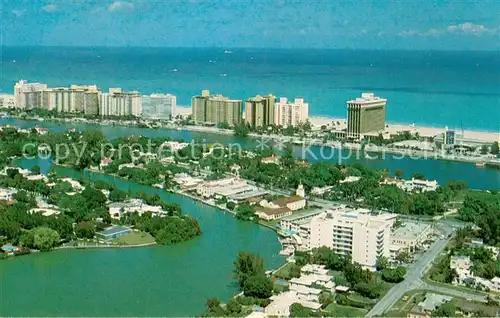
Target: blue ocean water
{"x": 453, "y": 88}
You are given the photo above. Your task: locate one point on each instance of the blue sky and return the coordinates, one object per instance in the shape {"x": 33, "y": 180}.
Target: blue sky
{"x": 410, "y": 24}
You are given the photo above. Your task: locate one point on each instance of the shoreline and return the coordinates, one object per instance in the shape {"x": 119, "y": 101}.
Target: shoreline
{"x": 408, "y": 153}
{"x": 68, "y": 247}
{"x": 323, "y": 119}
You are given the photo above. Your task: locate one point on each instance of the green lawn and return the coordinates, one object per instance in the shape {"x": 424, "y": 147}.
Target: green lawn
{"x": 284, "y": 271}
{"x": 335, "y": 310}
{"x": 135, "y": 238}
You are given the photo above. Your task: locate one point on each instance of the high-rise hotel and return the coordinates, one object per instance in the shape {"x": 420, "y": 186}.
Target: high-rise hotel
{"x": 83, "y": 99}
{"x": 216, "y": 109}
{"x": 26, "y": 94}
{"x": 159, "y": 106}
{"x": 365, "y": 115}
{"x": 288, "y": 113}
{"x": 259, "y": 110}
{"x": 119, "y": 103}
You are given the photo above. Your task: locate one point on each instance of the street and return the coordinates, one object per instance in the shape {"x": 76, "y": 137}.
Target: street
{"x": 413, "y": 279}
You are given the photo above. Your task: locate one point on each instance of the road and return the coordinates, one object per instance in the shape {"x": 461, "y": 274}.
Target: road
{"x": 413, "y": 279}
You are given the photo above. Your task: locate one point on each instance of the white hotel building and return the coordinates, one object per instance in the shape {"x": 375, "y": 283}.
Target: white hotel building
{"x": 159, "y": 106}
{"x": 349, "y": 231}
{"x": 26, "y": 94}
{"x": 288, "y": 113}
{"x": 119, "y": 103}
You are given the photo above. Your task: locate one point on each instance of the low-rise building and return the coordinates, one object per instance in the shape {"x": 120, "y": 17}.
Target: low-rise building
{"x": 269, "y": 214}
{"x": 174, "y": 145}
{"x": 113, "y": 232}
{"x": 462, "y": 265}
{"x": 428, "y": 305}
{"x": 290, "y": 225}
{"x": 6, "y": 194}
{"x": 74, "y": 184}
{"x": 280, "y": 304}
{"x": 271, "y": 159}
{"x": 186, "y": 182}
{"x": 118, "y": 209}
{"x": 209, "y": 188}
{"x": 418, "y": 185}
{"x": 410, "y": 236}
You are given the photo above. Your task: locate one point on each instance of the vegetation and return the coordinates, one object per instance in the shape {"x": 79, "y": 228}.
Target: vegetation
{"x": 395, "y": 275}
{"x": 245, "y": 212}
{"x": 257, "y": 287}
{"x": 482, "y": 209}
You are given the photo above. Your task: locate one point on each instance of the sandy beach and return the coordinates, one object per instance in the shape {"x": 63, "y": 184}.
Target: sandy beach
{"x": 424, "y": 131}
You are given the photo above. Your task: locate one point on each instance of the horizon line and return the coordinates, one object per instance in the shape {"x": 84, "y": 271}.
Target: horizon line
{"x": 247, "y": 48}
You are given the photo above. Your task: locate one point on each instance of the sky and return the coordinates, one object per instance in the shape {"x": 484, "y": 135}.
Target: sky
{"x": 379, "y": 24}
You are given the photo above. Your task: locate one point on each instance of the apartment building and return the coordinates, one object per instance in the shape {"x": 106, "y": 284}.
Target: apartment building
{"x": 287, "y": 113}
{"x": 26, "y": 94}
{"x": 7, "y": 101}
{"x": 259, "y": 110}
{"x": 159, "y": 106}
{"x": 347, "y": 231}
{"x": 366, "y": 114}
{"x": 216, "y": 109}
{"x": 119, "y": 103}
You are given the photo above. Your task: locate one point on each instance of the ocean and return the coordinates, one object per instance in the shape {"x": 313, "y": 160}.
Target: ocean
{"x": 458, "y": 89}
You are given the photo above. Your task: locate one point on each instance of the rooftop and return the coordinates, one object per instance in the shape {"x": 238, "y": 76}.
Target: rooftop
{"x": 432, "y": 301}
{"x": 367, "y": 98}
{"x": 286, "y": 200}
{"x": 115, "y": 229}
{"x": 410, "y": 230}
{"x": 270, "y": 211}
{"x": 302, "y": 214}
{"x": 248, "y": 195}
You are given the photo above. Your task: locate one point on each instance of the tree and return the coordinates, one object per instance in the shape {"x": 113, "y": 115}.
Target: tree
{"x": 382, "y": 263}
{"x": 447, "y": 309}
{"x": 495, "y": 148}
{"x": 35, "y": 169}
{"x": 245, "y": 212}
{"x": 395, "y": 275}
{"x": 241, "y": 130}
{"x": 418, "y": 175}
{"x": 246, "y": 265}
{"x": 258, "y": 286}
{"x": 403, "y": 256}
{"x": 44, "y": 238}
{"x": 230, "y": 205}
{"x": 297, "y": 310}
{"x": 214, "y": 308}
{"x": 85, "y": 229}
{"x": 233, "y": 307}
{"x": 484, "y": 150}
{"x": 399, "y": 173}
{"x": 117, "y": 195}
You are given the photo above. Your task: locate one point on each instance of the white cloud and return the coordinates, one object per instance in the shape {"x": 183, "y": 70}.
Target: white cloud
{"x": 50, "y": 8}
{"x": 409, "y": 33}
{"x": 469, "y": 28}
{"x": 433, "y": 32}
{"x": 120, "y": 6}
{"x": 463, "y": 28}
{"x": 18, "y": 12}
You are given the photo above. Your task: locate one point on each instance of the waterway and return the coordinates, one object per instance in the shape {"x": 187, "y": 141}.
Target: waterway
{"x": 441, "y": 170}
{"x": 150, "y": 281}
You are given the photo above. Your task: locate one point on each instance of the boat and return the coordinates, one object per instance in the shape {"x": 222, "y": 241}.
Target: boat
{"x": 223, "y": 75}
{"x": 480, "y": 164}
{"x": 174, "y": 70}
{"x": 228, "y": 52}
